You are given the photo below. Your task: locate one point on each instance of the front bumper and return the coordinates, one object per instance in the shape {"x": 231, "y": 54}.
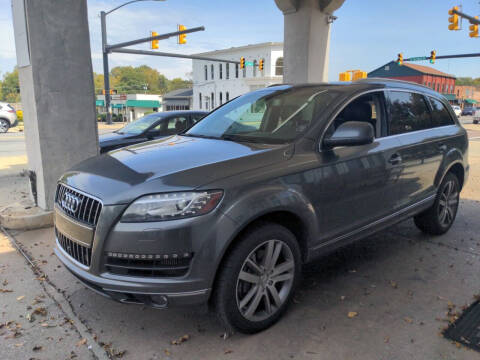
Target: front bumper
{"x": 201, "y": 236}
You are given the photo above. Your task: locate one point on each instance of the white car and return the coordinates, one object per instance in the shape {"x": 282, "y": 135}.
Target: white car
{"x": 476, "y": 116}
{"x": 8, "y": 117}
{"x": 457, "y": 110}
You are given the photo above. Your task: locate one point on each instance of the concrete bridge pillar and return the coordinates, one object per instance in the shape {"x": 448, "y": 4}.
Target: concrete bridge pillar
{"x": 56, "y": 85}
{"x": 306, "y": 39}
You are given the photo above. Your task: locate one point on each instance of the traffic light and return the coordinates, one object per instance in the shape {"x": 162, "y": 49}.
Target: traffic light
{"x": 400, "y": 59}
{"x": 242, "y": 62}
{"x": 345, "y": 76}
{"x": 182, "y": 38}
{"x": 453, "y": 19}
{"x": 433, "y": 55}
{"x": 260, "y": 64}
{"x": 153, "y": 43}
{"x": 474, "y": 29}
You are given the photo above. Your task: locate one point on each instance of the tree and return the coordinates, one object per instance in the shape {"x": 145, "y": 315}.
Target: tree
{"x": 179, "y": 83}
{"x": 10, "y": 87}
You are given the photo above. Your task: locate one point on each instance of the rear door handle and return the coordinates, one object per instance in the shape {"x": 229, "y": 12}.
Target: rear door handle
{"x": 395, "y": 159}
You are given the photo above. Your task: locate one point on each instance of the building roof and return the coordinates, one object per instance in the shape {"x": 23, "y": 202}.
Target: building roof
{"x": 392, "y": 69}
{"x": 179, "y": 93}
{"x": 427, "y": 70}
{"x": 245, "y": 47}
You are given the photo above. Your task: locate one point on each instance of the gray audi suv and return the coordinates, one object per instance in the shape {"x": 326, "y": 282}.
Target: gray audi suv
{"x": 227, "y": 212}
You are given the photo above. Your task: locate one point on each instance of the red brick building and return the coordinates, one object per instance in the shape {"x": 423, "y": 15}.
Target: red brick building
{"x": 437, "y": 80}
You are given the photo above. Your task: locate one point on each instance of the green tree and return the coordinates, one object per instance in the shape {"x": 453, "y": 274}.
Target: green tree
{"x": 179, "y": 83}
{"x": 10, "y": 87}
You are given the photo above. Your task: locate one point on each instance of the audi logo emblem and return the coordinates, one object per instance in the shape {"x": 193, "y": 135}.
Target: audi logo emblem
{"x": 70, "y": 202}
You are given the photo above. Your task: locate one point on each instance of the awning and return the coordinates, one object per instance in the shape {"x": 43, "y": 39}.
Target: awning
{"x": 471, "y": 101}
{"x": 450, "y": 97}
{"x": 99, "y": 103}
{"x": 118, "y": 106}
{"x": 143, "y": 103}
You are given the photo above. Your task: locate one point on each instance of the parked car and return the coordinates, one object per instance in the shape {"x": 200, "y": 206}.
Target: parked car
{"x": 457, "y": 110}
{"x": 476, "y": 116}
{"x": 8, "y": 117}
{"x": 468, "y": 111}
{"x": 229, "y": 211}
{"x": 150, "y": 127}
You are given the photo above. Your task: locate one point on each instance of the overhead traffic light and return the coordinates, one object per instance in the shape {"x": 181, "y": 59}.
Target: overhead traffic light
{"x": 345, "y": 76}
{"x": 453, "y": 19}
{"x": 474, "y": 29}
{"x": 260, "y": 64}
{"x": 153, "y": 43}
{"x": 242, "y": 62}
{"x": 400, "y": 59}
{"x": 112, "y": 92}
{"x": 182, "y": 38}
{"x": 433, "y": 55}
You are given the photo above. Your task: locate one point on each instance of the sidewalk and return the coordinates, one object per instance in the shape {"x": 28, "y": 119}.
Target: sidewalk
{"x": 32, "y": 324}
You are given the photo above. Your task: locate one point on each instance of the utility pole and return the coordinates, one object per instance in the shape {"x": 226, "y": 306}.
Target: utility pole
{"x": 106, "y": 72}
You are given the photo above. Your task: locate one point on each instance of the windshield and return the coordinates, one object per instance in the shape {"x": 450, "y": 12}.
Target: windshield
{"x": 140, "y": 125}
{"x": 269, "y": 116}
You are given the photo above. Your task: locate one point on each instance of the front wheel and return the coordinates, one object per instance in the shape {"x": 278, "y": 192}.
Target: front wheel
{"x": 4, "y": 126}
{"x": 440, "y": 216}
{"x": 258, "y": 278}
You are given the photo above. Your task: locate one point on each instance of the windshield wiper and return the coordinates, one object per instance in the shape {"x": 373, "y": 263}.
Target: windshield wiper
{"x": 201, "y": 136}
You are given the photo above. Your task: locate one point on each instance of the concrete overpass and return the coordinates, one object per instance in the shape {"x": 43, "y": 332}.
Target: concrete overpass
{"x": 56, "y": 82}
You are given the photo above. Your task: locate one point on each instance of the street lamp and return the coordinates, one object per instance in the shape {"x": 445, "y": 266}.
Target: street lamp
{"x": 106, "y": 77}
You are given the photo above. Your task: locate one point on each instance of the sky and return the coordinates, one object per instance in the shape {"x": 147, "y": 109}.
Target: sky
{"x": 366, "y": 35}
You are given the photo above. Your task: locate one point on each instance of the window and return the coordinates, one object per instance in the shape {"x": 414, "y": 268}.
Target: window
{"x": 171, "y": 126}
{"x": 220, "y": 71}
{"x": 200, "y": 99}
{"x": 440, "y": 115}
{"x": 279, "y": 66}
{"x": 366, "y": 108}
{"x": 236, "y": 70}
{"x": 212, "y": 71}
{"x": 221, "y": 98}
{"x": 212, "y": 100}
{"x": 227, "y": 71}
{"x": 206, "y": 72}
{"x": 196, "y": 117}
{"x": 429, "y": 84}
{"x": 227, "y": 96}
{"x": 254, "y": 68}
{"x": 408, "y": 112}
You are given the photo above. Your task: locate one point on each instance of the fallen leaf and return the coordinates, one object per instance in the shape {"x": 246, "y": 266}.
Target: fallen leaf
{"x": 82, "y": 342}
{"x": 30, "y": 317}
{"x": 342, "y": 297}
{"x": 20, "y": 297}
{"x": 387, "y": 339}
{"x": 228, "y": 351}
{"x": 5, "y": 282}
{"x": 37, "y": 348}
{"x": 166, "y": 352}
{"x": 393, "y": 284}
{"x": 408, "y": 320}
{"x": 352, "y": 314}
{"x": 40, "y": 311}
{"x": 19, "y": 345}
{"x": 5, "y": 290}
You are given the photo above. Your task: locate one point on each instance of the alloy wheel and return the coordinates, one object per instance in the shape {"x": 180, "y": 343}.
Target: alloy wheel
{"x": 4, "y": 126}
{"x": 448, "y": 203}
{"x": 265, "y": 280}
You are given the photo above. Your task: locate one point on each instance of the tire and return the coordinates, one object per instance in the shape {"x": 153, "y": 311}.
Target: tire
{"x": 235, "y": 295}
{"x": 4, "y": 125}
{"x": 440, "y": 216}
{"x": 475, "y": 121}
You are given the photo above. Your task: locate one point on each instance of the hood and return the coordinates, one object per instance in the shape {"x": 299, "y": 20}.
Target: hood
{"x": 176, "y": 163}
{"x": 111, "y": 137}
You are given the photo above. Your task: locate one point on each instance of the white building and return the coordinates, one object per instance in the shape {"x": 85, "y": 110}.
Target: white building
{"x": 131, "y": 106}
{"x": 215, "y": 83}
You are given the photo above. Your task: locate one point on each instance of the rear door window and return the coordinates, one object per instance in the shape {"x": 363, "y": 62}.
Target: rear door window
{"x": 408, "y": 112}
{"x": 440, "y": 114}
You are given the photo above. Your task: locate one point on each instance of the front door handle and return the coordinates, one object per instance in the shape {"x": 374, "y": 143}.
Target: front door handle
{"x": 395, "y": 159}
{"x": 442, "y": 147}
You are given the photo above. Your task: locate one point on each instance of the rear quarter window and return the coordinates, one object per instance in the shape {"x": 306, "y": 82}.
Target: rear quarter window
{"x": 440, "y": 114}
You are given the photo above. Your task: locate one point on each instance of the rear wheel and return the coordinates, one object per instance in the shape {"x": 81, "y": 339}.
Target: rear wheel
{"x": 4, "y": 126}
{"x": 440, "y": 216}
{"x": 475, "y": 121}
{"x": 258, "y": 278}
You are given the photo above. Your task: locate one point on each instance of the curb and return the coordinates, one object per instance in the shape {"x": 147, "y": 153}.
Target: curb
{"x": 13, "y": 219}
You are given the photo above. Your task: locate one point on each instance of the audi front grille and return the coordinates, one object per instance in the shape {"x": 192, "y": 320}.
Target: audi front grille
{"x": 78, "y": 205}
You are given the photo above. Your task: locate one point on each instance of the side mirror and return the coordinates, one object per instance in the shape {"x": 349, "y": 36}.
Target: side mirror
{"x": 351, "y": 133}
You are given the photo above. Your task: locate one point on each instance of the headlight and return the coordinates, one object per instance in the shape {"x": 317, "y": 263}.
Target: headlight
{"x": 170, "y": 206}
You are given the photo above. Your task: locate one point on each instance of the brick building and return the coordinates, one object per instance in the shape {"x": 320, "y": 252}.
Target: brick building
{"x": 467, "y": 94}
{"x": 437, "y": 80}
